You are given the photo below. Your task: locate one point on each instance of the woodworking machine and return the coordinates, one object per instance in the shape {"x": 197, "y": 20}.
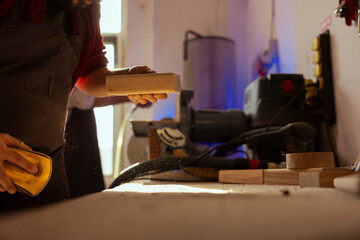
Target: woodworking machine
{"x": 276, "y": 120}
{"x": 281, "y": 114}
{"x": 271, "y": 103}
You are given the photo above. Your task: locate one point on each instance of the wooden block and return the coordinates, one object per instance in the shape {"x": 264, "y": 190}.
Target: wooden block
{"x": 281, "y": 177}
{"x": 320, "y": 179}
{"x": 291, "y": 176}
{"x": 143, "y": 84}
{"x": 310, "y": 160}
{"x": 255, "y": 176}
{"x": 350, "y": 183}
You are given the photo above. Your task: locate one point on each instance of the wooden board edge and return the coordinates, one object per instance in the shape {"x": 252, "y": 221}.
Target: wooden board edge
{"x": 173, "y": 85}
{"x": 253, "y": 176}
{"x": 321, "y": 179}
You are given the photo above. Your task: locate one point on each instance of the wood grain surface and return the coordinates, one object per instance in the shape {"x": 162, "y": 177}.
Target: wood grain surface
{"x": 291, "y": 176}
{"x": 310, "y": 160}
{"x": 321, "y": 179}
{"x": 281, "y": 177}
{"x": 255, "y": 176}
{"x": 143, "y": 84}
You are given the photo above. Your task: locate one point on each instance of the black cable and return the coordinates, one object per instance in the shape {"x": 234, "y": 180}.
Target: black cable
{"x": 151, "y": 173}
{"x": 332, "y": 145}
{"x": 288, "y": 105}
{"x": 171, "y": 163}
{"x": 282, "y": 110}
{"x": 161, "y": 165}
{"x": 238, "y": 151}
{"x": 167, "y": 180}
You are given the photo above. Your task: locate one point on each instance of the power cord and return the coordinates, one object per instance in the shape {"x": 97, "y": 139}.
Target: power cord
{"x": 120, "y": 140}
{"x": 159, "y": 165}
{"x": 292, "y": 100}
{"x": 332, "y": 145}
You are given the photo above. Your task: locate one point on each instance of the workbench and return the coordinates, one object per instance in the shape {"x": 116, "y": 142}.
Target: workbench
{"x": 193, "y": 210}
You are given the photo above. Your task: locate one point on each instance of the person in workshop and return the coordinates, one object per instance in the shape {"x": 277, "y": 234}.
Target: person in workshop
{"x": 47, "y": 46}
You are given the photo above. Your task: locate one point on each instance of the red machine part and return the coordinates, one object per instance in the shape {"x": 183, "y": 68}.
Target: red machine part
{"x": 287, "y": 85}
{"x": 350, "y": 16}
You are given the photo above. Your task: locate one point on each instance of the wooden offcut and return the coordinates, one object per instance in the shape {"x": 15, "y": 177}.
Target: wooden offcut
{"x": 269, "y": 176}
{"x": 151, "y": 83}
{"x": 321, "y": 179}
{"x": 255, "y": 176}
{"x": 310, "y": 160}
{"x": 350, "y": 183}
{"x": 291, "y": 176}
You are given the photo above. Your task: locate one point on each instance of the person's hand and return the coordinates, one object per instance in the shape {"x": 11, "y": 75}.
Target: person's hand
{"x": 7, "y": 155}
{"x": 144, "y": 98}
{"x": 140, "y": 70}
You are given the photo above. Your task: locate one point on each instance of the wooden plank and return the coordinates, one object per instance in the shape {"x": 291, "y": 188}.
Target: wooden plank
{"x": 310, "y": 160}
{"x": 291, "y": 176}
{"x": 143, "y": 84}
{"x": 321, "y": 179}
{"x": 255, "y": 176}
{"x": 350, "y": 183}
{"x": 268, "y": 176}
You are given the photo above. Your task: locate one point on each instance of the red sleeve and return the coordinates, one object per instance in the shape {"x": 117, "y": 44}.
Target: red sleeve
{"x": 33, "y": 11}
{"x": 92, "y": 56}
{"x": 5, "y": 7}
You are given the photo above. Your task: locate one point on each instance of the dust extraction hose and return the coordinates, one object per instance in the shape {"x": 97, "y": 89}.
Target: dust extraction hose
{"x": 173, "y": 163}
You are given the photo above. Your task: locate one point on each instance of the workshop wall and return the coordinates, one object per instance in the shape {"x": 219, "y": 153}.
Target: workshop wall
{"x": 258, "y": 34}
{"x": 155, "y": 35}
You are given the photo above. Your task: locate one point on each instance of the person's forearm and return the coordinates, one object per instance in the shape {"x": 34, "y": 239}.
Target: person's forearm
{"x": 110, "y": 100}
{"x": 94, "y": 84}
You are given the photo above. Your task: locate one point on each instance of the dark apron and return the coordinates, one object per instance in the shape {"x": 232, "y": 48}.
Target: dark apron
{"x": 82, "y": 154}
{"x": 37, "y": 62}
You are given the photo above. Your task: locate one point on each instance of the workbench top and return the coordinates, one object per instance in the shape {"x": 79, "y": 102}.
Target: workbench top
{"x": 197, "y": 210}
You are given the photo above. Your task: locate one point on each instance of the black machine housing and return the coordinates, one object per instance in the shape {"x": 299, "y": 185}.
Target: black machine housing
{"x": 267, "y": 96}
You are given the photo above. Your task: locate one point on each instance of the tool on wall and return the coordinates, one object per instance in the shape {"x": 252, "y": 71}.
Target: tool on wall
{"x": 323, "y": 73}
{"x": 324, "y": 101}
{"x": 270, "y": 58}
{"x": 349, "y": 9}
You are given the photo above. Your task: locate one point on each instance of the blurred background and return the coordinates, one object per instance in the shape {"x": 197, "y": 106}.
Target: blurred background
{"x": 151, "y": 32}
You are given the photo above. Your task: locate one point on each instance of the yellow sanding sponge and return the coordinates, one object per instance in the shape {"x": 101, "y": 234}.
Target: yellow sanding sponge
{"x": 26, "y": 182}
